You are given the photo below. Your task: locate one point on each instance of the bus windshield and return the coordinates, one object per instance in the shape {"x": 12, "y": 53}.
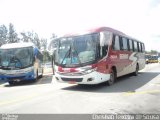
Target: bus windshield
{"x": 16, "y": 58}
{"x": 77, "y": 50}
{"x": 154, "y": 57}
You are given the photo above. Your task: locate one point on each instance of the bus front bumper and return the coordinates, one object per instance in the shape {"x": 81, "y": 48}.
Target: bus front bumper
{"x": 20, "y": 77}
{"x": 90, "y": 78}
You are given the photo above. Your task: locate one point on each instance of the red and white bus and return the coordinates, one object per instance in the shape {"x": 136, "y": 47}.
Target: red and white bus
{"x": 96, "y": 56}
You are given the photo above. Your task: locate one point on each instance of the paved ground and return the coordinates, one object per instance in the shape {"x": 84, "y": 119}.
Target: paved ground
{"x": 130, "y": 94}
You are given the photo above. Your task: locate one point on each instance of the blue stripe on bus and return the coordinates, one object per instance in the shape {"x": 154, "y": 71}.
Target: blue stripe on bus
{"x": 25, "y": 76}
{"x": 35, "y": 51}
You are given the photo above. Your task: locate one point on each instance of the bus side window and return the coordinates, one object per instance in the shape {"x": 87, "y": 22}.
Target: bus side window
{"x": 143, "y": 47}
{"x": 130, "y": 45}
{"x": 105, "y": 37}
{"x": 121, "y": 43}
{"x": 115, "y": 43}
{"x": 139, "y": 47}
{"x": 125, "y": 43}
{"x": 135, "y": 46}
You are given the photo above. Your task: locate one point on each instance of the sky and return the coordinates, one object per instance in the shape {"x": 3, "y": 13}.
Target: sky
{"x": 137, "y": 18}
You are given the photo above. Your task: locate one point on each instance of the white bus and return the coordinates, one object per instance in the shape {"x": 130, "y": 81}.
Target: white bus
{"x": 19, "y": 62}
{"x": 97, "y": 55}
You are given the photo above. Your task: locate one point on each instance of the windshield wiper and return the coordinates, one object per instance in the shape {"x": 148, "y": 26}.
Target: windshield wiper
{"x": 67, "y": 54}
{"x": 78, "y": 57}
{"x": 15, "y": 60}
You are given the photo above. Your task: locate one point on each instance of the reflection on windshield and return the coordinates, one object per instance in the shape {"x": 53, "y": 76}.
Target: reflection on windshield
{"x": 16, "y": 58}
{"x": 77, "y": 50}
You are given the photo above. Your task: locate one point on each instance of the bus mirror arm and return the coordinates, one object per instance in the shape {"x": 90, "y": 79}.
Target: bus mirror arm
{"x": 53, "y": 61}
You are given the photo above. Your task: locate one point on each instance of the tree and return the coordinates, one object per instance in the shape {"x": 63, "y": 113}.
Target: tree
{"x": 43, "y": 43}
{"x": 154, "y": 52}
{"x": 31, "y": 37}
{"x": 53, "y": 42}
{"x": 36, "y": 41}
{"x": 3, "y": 34}
{"x": 12, "y": 35}
{"x": 46, "y": 56}
{"x": 25, "y": 37}
{"x": 53, "y": 36}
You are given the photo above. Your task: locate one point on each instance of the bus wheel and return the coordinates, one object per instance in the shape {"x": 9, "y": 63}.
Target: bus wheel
{"x": 12, "y": 82}
{"x": 36, "y": 77}
{"x": 112, "y": 78}
{"x": 41, "y": 74}
{"x": 136, "y": 71}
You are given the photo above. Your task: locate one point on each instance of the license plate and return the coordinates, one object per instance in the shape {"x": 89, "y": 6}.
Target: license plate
{"x": 16, "y": 80}
{"x": 72, "y": 82}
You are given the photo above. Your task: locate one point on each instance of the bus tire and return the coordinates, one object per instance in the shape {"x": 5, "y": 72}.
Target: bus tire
{"x": 12, "y": 82}
{"x": 112, "y": 77}
{"x": 36, "y": 77}
{"x": 41, "y": 74}
{"x": 136, "y": 71}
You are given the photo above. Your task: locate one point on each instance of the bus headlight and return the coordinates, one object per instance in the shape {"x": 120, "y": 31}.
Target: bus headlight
{"x": 88, "y": 69}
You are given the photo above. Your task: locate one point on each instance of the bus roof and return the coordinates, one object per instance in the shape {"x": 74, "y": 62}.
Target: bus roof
{"x": 94, "y": 30}
{"x": 16, "y": 45}
{"x": 99, "y": 29}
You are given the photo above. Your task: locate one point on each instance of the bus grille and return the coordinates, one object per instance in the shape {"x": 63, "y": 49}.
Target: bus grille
{"x": 72, "y": 79}
{"x": 12, "y": 78}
